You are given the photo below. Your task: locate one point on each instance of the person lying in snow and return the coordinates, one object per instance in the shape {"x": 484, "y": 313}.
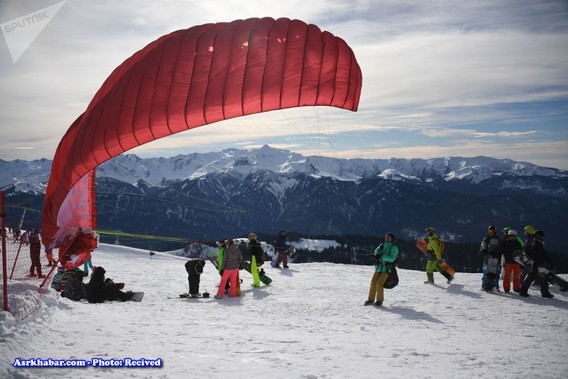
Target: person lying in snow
{"x": 75, "y": 289}
{"x": 100, "y": 289}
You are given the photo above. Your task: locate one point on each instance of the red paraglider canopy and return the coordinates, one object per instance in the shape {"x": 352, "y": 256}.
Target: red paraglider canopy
{"x": 187, "y": 79}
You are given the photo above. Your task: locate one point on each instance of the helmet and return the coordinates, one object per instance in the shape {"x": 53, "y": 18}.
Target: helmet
{"x": 506, "y": 230}
{"x": 282, "y": 233}
{"x": 491, "y": 227}
{"x": 539, "y": 235}
{"x": 252, "y": 236}
{"x": 229, "y": 241}
{"x": 431, "y": 229}
{"x": 529, "y": 229}
{"x": 512, "y": 232}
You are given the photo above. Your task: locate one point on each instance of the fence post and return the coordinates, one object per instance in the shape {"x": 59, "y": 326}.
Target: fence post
{"x": 5, "y": 306}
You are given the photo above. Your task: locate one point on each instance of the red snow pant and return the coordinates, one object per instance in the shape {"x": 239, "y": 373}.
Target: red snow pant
{"x": 233, "y": 276}
{"x": 513, "y": 269}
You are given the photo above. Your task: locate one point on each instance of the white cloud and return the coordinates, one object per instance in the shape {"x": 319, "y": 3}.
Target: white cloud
{"x": 431, "y": 70}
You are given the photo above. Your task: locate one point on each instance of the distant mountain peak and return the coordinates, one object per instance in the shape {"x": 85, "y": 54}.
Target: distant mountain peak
{"x": 32, "y": 175}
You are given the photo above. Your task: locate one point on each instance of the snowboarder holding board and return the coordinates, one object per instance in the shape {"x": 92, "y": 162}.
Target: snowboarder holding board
{"x": 256, "y": 258}
{"x": 434, "y": 257}
{"x": 541, "y": 260}
{"x": 492, "y": 250}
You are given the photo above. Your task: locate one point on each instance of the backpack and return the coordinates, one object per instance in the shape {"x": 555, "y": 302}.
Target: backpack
{"x": 392, "y": 280}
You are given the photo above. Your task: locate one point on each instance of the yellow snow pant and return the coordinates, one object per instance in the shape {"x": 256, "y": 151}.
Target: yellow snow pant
{"x": 254, "y": 272}
{"x": 376, "y": 291}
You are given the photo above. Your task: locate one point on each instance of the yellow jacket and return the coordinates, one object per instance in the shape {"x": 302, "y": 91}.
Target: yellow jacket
{"x": 434, "y": 246}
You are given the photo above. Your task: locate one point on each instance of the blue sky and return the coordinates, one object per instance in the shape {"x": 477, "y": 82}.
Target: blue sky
{"x": 440, "y": 78}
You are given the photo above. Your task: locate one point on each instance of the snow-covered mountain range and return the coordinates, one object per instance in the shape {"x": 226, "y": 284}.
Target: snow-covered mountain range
{"x": 32, "y": 175}
{"x": 212, "y": 195}
{"x": 245, "y": 162}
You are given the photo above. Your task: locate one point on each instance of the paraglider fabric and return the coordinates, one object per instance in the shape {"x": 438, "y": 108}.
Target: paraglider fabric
{"x": 187, "y": 79}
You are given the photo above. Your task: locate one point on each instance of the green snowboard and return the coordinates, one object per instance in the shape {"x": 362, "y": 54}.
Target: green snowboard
{"x": 261, "y": 275}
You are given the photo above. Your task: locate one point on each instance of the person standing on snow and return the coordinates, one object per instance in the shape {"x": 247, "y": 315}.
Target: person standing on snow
{"x": 512, "y": 247}
{"x": 540, "y": 260}
{"x": 491, "y": 250}
{"x": 232, "y": 259}
{"x": 529, "y": 238}
{"x": 256, "y": 258}
{"x": 221, "y": 246}
{"x": 35, "y": 252}
{"x": 385, "y": 255}
{"x": 280, "y": 246}
{"x": 434, "y": 257}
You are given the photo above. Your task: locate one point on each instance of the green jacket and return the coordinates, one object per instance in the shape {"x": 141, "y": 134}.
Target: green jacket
{"x": 385, "y": 254}
{"x": 220, "y": 254}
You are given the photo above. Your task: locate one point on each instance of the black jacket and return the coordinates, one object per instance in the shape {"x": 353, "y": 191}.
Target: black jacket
{"x": 539, "y": 255}
{"x": 255, "y": 250}
{"x": 510, "y": 246}
{"x": 96, "y": 289}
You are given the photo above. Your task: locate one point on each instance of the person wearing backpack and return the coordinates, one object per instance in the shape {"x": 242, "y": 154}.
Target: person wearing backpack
{"x": 385, "y": 255}
{"x": 434, "y": 257}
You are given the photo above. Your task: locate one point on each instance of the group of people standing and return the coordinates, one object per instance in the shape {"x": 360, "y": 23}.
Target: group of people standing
{"x": 231, "y": 258}
{"x": 512, "y": 249}
{"x": 497, "y": 252}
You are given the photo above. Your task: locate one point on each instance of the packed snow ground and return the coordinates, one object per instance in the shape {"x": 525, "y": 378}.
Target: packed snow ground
{"x": 310, "y": 323}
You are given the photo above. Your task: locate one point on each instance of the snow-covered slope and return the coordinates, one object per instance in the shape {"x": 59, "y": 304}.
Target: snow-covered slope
{"x": 310, "y": 323}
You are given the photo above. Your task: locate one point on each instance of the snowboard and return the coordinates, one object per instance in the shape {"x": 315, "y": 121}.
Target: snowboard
{"x": 261, "y": 275}
{"x": 137, "y": 296}
{"x": 492, "y": 264}
{"x": 447, "y": 268}
{"x": 204, "y": 295}
{"x": 422, "y": 245}
{"x": 526, "y": 261}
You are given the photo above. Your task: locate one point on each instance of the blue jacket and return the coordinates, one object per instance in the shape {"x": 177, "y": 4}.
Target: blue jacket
{"x": 385, "y": 254}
